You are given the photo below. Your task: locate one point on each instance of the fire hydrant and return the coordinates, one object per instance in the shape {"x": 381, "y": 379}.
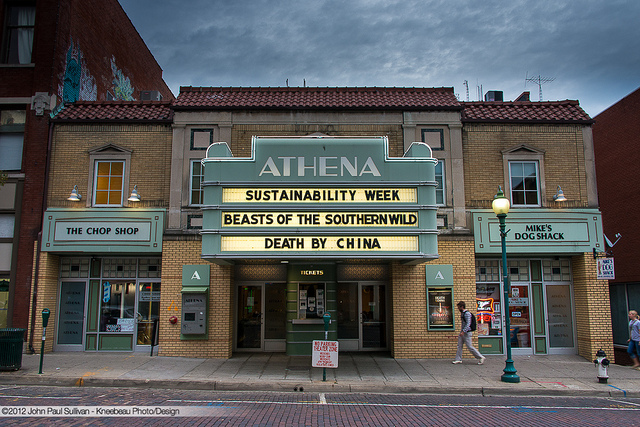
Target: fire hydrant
{"x": 602, "y": 363}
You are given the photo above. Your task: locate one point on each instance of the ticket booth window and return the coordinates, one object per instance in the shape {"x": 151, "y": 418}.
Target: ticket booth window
{"x": 311, "y": 300}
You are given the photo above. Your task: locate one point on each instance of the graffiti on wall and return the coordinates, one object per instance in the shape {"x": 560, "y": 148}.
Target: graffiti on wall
{"x": 77, "y": 84}
{"x": 122, "y": 89}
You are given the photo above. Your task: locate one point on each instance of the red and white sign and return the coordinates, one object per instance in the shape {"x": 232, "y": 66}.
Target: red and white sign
{"x": 324, "y": 354}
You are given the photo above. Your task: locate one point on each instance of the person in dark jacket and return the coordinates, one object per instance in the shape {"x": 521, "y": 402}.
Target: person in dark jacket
{"x": 464, "y": 337}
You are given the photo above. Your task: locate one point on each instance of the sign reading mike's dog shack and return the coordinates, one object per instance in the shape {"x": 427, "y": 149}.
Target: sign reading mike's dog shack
{"x": 319, "y": 197}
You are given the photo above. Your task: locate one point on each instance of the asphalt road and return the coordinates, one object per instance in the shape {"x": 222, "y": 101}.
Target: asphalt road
{"x": 115, "y": 406}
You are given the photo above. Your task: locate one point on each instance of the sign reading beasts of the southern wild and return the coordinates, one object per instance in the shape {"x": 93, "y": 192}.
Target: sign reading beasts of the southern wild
{"x": 319, "y": 197}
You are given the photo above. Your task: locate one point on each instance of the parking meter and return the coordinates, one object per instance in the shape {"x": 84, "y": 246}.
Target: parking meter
{"x": 327, "y": 321}
{"x": 45, "y": 322}
{"x": 45, "y": 317}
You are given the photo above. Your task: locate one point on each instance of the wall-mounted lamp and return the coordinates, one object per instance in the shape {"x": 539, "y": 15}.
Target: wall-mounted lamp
{"x": 134, "y": 197}
{"x": 559, "y": 197}
{"x": 74, "y": 196}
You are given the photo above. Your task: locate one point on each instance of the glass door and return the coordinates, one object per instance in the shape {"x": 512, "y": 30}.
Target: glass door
{"x": 148, "y": 311}
{"x": 373, "y": 317}
{"x": 71, "y": 315}
{"x": 520, "y": 317}
{"x": 249, "y": 333}
{"x": 560, "y": 318}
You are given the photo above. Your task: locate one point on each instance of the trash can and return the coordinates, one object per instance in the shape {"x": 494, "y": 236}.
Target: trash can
{"x": 11, "y": 342}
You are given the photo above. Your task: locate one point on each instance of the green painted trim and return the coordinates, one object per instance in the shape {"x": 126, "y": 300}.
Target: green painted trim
{"x": 439, "y": 274}
{"x": 538, "y": 308}
{"x": 98, "y": 230}
{"x": 490, "y": 345}
{"x": 90, "y": 342}
{"x": 93, "y": 308}
{"x": 123, "y": 342}
{"x": 196, "y": 275}
{"x": 195, "y": 290}
{"x": 541, "y": 345}
{"x": 539, "y": 231}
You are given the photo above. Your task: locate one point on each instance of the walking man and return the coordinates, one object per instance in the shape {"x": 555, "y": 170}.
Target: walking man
{"x": 466, "y": 331}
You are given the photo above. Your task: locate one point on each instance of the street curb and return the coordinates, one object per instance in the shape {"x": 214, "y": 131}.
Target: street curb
{"x": 307, "y": 386}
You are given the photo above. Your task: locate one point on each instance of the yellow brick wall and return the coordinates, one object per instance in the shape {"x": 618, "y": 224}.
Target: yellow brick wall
{"x": 564, "y": 162}
{"x": 47, "y": 297}
{"x": 241, "y": 134}
{"x": 219, "y": 327}
{"x": 410, "y": 337}
{"x": 593, "y": 312}
{"x": 149, "y": 145}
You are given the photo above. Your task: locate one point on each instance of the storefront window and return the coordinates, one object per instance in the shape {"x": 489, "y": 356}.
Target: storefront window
{"x": 311, "y": 300}
{"x": 4, "y": 302}
{"x": 556, "y": 270}
{"x": 118, "y": 307}
{"x": 489, "y": 321}
{"x": 74, "y": 267}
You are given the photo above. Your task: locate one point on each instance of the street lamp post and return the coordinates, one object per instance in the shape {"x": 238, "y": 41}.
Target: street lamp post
{"x": 500, "y": 207}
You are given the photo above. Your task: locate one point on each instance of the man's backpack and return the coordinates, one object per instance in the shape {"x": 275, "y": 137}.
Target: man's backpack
{"x": 472, "y": 326}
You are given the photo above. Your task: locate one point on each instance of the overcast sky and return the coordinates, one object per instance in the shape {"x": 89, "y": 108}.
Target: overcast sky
{"x": 590, "y": 47}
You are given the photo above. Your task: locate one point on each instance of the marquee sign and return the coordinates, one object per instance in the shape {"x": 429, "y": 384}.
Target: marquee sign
{"x": 319, "y": 197}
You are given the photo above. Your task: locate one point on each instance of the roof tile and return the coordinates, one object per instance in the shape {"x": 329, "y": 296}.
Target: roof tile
{"x": 550, "y": 111}
{"x": 118, "y": 111}
{"x": 316, "y": 98}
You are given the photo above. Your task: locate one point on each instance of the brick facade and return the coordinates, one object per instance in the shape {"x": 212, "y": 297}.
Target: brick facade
{"x": 483, "y": 160}
{"x": 410, "y": 337}
{"x": 94, "y": 42}
{"x": 592, "y": 316}
{"x": 219, "y": 342}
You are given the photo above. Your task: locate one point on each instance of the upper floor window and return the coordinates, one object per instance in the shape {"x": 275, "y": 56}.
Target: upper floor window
{"x": 108, "y": 183}
{"x": 18, "y": 35}
{"x": 440, "y": 194}
{"x": 11, "y": 139}
{"x": 525, "y": 183}
{"x": 196, "y": 195}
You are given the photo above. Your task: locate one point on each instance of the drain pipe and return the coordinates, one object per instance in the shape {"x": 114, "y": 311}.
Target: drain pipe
{"x": 39, "y": 242}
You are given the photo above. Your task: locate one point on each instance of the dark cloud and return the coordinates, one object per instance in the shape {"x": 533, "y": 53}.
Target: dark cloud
{"x": 589, "y": 47}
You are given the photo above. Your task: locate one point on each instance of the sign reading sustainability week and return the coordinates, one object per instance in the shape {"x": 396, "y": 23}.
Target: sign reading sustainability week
{"x": 319, "y": 195}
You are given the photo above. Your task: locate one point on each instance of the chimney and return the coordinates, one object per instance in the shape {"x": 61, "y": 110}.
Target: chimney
{"x": 493, "y": 95}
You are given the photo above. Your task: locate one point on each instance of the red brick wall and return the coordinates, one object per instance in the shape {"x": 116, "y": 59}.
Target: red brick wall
{"x": 616, "y": 137}
{"x": 101, "y": 30}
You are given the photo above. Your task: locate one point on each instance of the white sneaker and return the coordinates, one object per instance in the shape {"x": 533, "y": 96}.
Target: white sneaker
{"x": 455, "y": 362}
{"x": 481, "y": 361}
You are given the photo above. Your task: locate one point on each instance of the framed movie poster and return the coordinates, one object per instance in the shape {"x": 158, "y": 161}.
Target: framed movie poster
{"x": 440, "y": 308}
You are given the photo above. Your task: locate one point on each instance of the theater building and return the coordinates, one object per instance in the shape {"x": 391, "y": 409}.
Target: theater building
{"x": 373, "y": 205}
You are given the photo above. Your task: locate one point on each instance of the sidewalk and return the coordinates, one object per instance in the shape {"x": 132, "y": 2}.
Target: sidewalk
{"x": 561, "y": 375}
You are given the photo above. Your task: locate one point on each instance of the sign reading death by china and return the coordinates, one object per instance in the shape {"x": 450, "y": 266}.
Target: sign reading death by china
{"x": 329, "y": 197}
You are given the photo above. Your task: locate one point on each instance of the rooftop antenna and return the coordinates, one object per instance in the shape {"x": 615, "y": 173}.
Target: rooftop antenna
{"x": 466, "y": 84}
{"x": 539, "y": 80}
